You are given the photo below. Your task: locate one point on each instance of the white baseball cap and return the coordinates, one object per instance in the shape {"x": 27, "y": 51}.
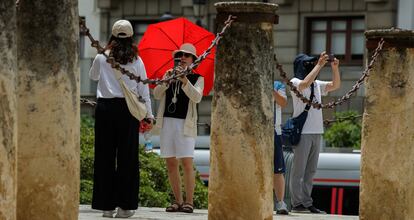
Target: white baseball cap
{"x": 122, "y": 29}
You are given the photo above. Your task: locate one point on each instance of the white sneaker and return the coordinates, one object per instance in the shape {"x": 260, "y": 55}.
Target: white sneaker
{"x": 124, "y": 213}
{"x": 108, "y": 214}
{"x": 281, "y": 208}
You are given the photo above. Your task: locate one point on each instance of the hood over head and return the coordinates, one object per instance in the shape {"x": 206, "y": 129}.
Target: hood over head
{"x": 303, "y": 65}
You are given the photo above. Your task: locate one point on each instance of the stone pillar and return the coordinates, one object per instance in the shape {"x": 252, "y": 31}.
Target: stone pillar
{"x": 241, "y": 162}
{"x": 48, "y": 110}
{"x": 8, "y": 113}
{"x": 387, "y": 166}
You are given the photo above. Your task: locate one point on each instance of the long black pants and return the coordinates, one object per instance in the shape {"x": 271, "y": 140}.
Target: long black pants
{"x": 116, "y": 168}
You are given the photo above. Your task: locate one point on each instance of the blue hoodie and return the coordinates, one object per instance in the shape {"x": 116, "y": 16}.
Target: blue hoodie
{"x": 303, "y": 65}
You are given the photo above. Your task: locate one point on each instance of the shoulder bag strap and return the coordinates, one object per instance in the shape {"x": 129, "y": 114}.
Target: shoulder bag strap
{"x": 311, "y": 98}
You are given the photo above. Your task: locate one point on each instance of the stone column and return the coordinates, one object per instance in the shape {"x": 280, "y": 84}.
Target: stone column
{"x": 387, "y": 166}
{"x": 48, "y": 110}
{"x": 8, "y": 114}
{"x": 241, "y": 162}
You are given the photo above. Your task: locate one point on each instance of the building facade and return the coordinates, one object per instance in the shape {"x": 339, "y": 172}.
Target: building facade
{"x": 305, "y": 26}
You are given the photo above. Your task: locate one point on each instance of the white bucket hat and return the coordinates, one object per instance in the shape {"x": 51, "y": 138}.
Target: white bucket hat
{"x": 122, "y": 29}
{"x": 187, "y": 48}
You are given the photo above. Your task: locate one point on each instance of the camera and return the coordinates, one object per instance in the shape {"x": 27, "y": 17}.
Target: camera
{"x": 331, "y": 57}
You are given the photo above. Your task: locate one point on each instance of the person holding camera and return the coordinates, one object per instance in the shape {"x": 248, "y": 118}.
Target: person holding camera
{"x": 116, "y": 167}
{"x": 306, "y": 152}
{"x": 177, "y": 119}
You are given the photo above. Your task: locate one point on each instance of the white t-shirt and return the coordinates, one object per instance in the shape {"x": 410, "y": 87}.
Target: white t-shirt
{"x": 108, "y": 85}
{"x": 314, "y": 121}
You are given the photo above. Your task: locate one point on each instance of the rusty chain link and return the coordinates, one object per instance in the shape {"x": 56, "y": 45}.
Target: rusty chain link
{"x": 87, "y": 101}
{"x": 186, "y": 71}
{"x": 327, "y": 122}
{"x": 344, "y": 98}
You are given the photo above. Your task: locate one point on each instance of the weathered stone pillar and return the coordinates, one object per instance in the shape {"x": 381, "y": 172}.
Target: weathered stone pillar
{"x": 8, "y": 113}
{"x": 48, "y": 110}
{"x": 387, "y": 167}
{"x": 241, "y": 162}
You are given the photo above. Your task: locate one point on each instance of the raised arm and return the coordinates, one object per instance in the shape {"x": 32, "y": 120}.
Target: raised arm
{"x": 305, "y": 83}
{"x": 336, "y": 79}
{"x": 279, "y": 99}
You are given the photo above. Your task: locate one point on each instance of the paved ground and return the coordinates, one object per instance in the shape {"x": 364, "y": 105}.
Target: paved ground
{"x": 143, "y": 213}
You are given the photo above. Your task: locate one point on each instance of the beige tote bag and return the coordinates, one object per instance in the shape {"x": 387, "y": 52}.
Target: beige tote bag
{"x": 135, "y": 106}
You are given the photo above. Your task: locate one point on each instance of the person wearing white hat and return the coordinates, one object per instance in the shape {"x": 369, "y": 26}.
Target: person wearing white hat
{"x": 116, "y": 168}
{"x": 177, "y": 119}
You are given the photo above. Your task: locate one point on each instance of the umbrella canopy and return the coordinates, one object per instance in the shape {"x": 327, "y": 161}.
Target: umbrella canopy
{"x": 161, "y": 39}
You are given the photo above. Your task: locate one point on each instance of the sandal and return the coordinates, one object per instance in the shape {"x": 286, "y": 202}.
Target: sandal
{"x": 187, "y": 207}
{"x": 174, "y": 207}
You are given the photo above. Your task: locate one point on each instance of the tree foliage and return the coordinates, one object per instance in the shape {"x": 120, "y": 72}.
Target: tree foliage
{"x": 344, "y": 133}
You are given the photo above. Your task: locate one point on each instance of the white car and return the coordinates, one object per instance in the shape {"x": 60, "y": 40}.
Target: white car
{"x": 336, "y": 183}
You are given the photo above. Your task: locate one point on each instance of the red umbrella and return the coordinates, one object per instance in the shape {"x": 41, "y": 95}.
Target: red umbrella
{"x": 161, "y": 39}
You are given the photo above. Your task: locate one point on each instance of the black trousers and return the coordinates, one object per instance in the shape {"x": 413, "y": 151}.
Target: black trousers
{"x": 116, "y": 168}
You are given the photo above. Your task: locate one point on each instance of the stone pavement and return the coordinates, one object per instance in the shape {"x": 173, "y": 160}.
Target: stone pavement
{"x": 144, "y": 213}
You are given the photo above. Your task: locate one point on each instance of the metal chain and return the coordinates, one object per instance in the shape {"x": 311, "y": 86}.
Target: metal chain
{"x": 186, "y": 71}
{"x": 87, "y": 101}
{"x": 344, "y": 98}
{"x": 327, "y": 122}
{"x": 84, "y": 30}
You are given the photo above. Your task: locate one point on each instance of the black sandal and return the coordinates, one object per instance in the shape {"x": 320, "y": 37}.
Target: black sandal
{"x": 174, "y": 207}
{"x": 187, "y": 207}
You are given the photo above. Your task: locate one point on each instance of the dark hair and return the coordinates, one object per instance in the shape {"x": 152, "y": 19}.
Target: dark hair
{"x": 122, "y": 49}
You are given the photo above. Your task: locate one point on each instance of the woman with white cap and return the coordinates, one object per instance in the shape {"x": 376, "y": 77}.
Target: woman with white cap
{"x": 116, "y": 168}
{"x": 177, "y": 119}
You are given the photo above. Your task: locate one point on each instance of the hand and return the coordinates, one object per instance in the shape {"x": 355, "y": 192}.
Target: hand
{"x": 146, "y": 125}
{"x": 167, "y": 75}
{"x": 183, "y": 80}
{"x": 150, "y": 126}
{"x": 179, "y": 69}
{"x": 335, "y": 64}
{"x": 323, "y": 59}
{"x": 149, "y": 122}
{"x": 277, "y": 85}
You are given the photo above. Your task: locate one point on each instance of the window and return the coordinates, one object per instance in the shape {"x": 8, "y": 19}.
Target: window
{"x": 342, "y": 36}
{"x": 140, "y": 26}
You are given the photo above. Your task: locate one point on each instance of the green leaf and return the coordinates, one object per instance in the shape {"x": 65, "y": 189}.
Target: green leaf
{"x": 345, "y": 133}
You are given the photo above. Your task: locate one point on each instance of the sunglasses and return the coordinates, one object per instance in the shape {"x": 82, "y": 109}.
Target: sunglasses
{"x": 310, "y": 63}
{"x": 180, "y": 54}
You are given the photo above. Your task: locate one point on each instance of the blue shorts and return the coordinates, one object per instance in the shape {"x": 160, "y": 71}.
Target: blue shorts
{"x": 279, "y": 162}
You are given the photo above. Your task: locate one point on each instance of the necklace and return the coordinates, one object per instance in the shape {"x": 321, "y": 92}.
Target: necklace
{"x": 174, "y": 99}
{"x": 175, "y": 92}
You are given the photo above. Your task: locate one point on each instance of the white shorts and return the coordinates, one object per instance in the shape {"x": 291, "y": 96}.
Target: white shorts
{"x": 173, "y": 143}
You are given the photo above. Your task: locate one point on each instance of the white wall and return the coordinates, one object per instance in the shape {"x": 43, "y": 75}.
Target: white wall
{"x": 88, "y": 9}
{"x": 405, "y": 19}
